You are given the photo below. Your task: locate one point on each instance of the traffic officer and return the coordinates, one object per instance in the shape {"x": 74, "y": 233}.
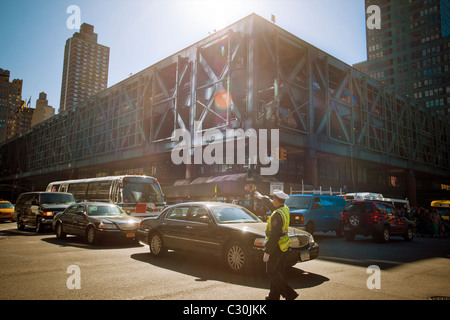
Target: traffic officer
{"x": 277, "y": 245}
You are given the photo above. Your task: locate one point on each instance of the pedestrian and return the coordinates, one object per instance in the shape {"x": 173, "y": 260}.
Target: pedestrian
{"x": 435, "y": 220}
{"x": 277, "y": 245}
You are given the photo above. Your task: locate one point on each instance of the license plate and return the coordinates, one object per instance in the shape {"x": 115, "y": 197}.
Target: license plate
{"x": 131, "y": 235}
{"x": 304, "y": 256}
{"x": 346, "y": 228}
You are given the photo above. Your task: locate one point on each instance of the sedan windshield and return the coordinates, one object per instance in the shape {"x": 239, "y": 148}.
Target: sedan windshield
{"x": 229, "y": 214}
{"x": 100, "y": 210}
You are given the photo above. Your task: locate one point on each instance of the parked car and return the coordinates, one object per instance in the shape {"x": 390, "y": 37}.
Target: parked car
{"x": 224, "y": 230}
{"x": 6, "y": 210}
{"x": 316, "y": 212}
{"x": 95, "y": 221}
{"x": 37, "y": 209}
{"x": 377, "y": 219}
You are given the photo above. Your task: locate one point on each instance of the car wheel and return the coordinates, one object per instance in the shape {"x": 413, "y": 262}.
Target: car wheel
{"x": 409, "y": 235}
{"x": 156, "y": 245}
{"x": 59, "y": 231}
{"x": 310, "y": 227}
{"x": 20, "y": 224}
{"x": 236, "y": 257}
{"x": 91, "y": 236}
{"x": 385, "y": 235}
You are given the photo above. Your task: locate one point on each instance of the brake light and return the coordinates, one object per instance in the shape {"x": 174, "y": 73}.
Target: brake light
{"x": 47, "y": 214}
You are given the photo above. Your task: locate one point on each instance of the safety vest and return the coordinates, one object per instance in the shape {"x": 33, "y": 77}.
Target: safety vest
{"x": 284, "y": 242}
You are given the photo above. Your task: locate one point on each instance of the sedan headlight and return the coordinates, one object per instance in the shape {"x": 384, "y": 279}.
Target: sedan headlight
{"x": 107, "y": 226}
{"x": 260, "y": 242}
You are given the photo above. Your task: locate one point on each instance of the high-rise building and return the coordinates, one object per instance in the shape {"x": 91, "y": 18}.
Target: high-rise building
{"x": 10, "y": 105}
{"x": 43, "y": 111}
{"x": 85, "y": 71}
{"x": 411, "y": 50}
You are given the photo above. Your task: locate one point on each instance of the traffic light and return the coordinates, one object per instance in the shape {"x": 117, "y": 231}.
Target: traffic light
{"x": 280, "y": 154}
{"x": 283, "y": 154}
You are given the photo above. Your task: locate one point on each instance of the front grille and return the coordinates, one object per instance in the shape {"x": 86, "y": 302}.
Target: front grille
{"x": 125, "y": 226}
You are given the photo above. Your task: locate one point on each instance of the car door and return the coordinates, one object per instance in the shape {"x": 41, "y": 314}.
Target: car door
{"x": 79, "y": 220}
{"x": 317, "y": 214}
{"x": 400, "y": 222}
{"x": 200, "y": 232}
{"x": 67, "y": 219}
{"x": 390, "y": 217}
{"x": 173, "y": 227}
{"x": 32, "y": 209}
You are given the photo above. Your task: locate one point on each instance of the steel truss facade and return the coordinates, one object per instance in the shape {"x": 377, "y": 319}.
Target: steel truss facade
{"x": 252, "y": 74}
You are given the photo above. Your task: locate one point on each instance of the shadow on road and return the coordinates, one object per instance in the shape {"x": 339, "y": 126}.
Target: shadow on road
{"x": 80, "y": 242}
{"x": 206, "y": 268}
{"x": 364, "y": 251}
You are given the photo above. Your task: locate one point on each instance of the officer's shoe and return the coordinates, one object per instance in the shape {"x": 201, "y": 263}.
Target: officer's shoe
{"x": 292, "y": 296}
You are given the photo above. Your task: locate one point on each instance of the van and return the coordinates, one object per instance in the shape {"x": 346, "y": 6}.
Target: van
{"x": 316, "y": 212}
{"x": 37, "y": 209}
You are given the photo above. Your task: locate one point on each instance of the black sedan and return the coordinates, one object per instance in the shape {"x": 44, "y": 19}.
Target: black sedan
{"x": 95, "y": 221}
{"x": 225, "y": 230}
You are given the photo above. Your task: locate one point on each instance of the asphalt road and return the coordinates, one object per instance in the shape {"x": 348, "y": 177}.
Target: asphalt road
{"x": 39, "y": 266}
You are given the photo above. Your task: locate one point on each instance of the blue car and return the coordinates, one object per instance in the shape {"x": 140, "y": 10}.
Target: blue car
{"x": 316, "y": 212}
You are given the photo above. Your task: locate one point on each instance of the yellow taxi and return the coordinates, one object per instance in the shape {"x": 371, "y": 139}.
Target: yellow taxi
{"x": 6, "y": 210}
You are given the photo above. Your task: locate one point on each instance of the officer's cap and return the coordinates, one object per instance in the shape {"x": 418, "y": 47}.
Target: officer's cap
{"x": 280, "y": 195}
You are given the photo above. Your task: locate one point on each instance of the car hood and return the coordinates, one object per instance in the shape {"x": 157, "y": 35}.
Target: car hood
{"x": 298, "y": 210}
{"x": 258, "y": 228}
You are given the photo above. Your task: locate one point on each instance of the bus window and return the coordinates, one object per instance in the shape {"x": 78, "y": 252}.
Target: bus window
{"x": 78, "y": 190}
{"x": 99, "y": 191}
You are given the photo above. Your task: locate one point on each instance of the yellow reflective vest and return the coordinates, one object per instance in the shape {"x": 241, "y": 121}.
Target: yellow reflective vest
{"x": 284, "y": 242}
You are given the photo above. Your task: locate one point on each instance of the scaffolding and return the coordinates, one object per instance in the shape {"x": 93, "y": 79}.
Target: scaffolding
{"x": 251, "y": 74}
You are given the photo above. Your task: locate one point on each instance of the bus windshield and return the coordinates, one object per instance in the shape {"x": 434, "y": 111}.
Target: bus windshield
{"x": 140, "y": 190}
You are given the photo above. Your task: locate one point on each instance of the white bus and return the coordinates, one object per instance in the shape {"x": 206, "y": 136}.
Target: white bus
{"x": 139, "y": 196}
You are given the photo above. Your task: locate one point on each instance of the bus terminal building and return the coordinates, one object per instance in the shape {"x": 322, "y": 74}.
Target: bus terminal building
{"x": 337, "y": 126}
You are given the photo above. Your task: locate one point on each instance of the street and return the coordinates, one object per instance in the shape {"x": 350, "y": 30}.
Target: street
{"x": 39, "y": 266}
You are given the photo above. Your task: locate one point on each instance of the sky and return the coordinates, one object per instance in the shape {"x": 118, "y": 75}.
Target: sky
{"x": 140, "y": 33}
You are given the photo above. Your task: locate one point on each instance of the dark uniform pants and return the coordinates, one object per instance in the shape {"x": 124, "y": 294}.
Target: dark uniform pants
{"x": 275, "y": 269}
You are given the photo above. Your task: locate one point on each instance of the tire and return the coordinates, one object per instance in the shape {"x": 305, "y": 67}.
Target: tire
{"x": 236, "y": 257}
{"x": 409, "y": 235}
{"x": 354, "y": 221}
{"x": 310, "y": 227}
{"x": 385, "y": 235}
{"x": 91, "y": 236}
{"x": 59, "y": 231}
{"x": 156, "y": 244}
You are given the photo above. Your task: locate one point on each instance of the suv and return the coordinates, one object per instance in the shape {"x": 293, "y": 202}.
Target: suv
{"x": 37, "y": 209}
{"x": 375, "y": 218}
